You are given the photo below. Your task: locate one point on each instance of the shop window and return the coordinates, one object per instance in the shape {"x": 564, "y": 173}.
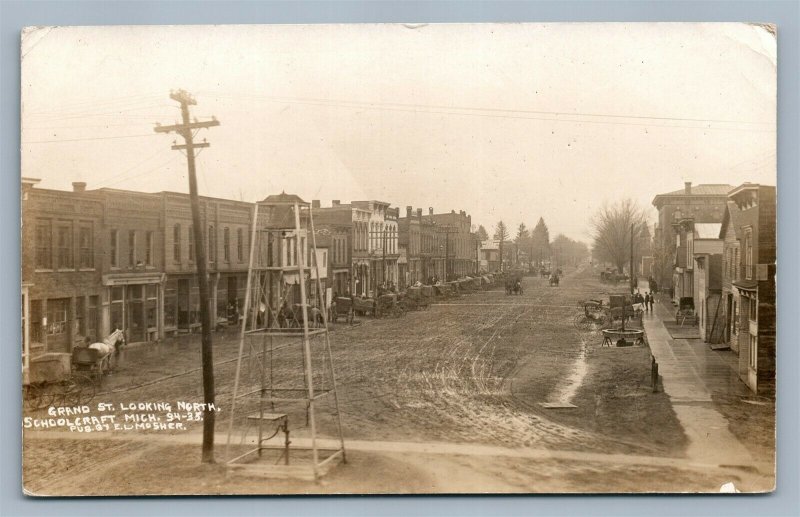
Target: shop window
{"x": 171, "y": 304}
{"x": 57, "y": 316}
{"x": 36, "y": 322}
{"x": 44, "y": 245}
{"x": 753, "y": 309}
{"x": 753, "y": 352}
{"x": 151, "y": 306}
{"x": 91, "y": 318}
{"x": 80, "y": 311}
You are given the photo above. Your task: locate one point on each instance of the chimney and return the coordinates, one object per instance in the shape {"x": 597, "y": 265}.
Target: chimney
{"x": 408, "y": 212}
{"x": 315, "y": 203}
{"x": 335, "y": 202}
{"x": 79, "y": 186}
{"x": 687, "y": 187}
{"x": 430, "y": 210}
{"x": 419, "y": 213}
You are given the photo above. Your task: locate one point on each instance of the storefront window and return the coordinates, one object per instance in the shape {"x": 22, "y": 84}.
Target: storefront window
{"x": 171, "y": 304}
{"x": 57, "y": 316}
{"x": 91, "y": 318}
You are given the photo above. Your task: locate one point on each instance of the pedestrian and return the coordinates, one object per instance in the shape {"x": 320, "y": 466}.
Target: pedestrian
{"x": 646, "y": 302}
{"x": 652, "y": 300}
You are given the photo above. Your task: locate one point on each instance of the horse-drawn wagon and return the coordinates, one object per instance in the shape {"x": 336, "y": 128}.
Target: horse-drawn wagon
{"x": 415, "y": 299}
{"x": 388, "y": 305}
{"x": 78, "y": 383}
{"x": 343, "y": 307}
{"x": 364, "y": 306}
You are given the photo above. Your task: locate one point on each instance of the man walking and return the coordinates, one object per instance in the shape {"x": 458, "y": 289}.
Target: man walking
{"x": 646, "y": 302}
{"x": 652, "y": 300}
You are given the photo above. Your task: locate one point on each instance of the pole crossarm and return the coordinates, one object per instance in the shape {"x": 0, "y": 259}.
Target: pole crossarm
{"x": 178, "y": 128}
{"x": 179, "y": 147}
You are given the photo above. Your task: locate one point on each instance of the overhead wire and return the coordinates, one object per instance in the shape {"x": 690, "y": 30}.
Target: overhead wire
{"x": 507, "y": 113}
{"x": 87, "y": 139}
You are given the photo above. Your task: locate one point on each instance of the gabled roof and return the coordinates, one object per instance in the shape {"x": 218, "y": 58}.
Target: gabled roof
{"x": 733, "y": 215}
{"x": 283, "y": 199}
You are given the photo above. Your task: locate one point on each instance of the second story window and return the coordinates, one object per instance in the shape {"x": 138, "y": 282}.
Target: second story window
{"x": 44, "y": 245}
{"x": 86, "y": 247}
{"x": 176, "y": 243}
{"x": 64, "y": 232}
{"x": 240, "y": 244}
{"x": 748, "y": 250}
{"x": 226, "y": 244}
{"x": 113, "y": 246}
{"x": 191, "y": 243}
{"x": 212, "y": 243}
{"x": 132, "y": 247}
{"x": 148, "y": 252}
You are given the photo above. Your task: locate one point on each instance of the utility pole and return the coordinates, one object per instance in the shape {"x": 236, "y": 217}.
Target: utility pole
{"x": 633, "y": 281}
{"x": 185, "y": 130}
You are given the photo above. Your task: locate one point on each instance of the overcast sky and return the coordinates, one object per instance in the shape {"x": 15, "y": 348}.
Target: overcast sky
{"x": 511, "y": 121}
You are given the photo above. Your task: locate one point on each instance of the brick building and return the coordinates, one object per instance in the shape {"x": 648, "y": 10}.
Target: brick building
{"x": 351, "y": 265}
{"x": 133, "y": 264}
{"x": 456, "y": 244}
{"x": 62, "y": 252}
{"x": 749, "y": 271}
{"x": 382, "y": 248}
{"x": 701, "y": 204}
{"x": 226, "y": 235}
{"x": 334, "y": 232}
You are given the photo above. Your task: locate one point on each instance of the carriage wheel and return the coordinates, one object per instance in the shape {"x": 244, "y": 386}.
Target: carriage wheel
{"x": 580, "y": 322}
{"x": 36, "y": 396}
{"x": 78, "y": 390}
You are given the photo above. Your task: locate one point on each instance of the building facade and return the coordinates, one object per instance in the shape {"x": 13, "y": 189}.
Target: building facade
{"x": 382, "y": 249}
{"x": 707, "y": 278}
{"x": 133, "y": 277}
{"x": 456, "y": 244}
{"x": 754, "y": 280}
{"x": 490, "y": 256}
{"x": 226, "y": 236}
{"x": 701, "y": 204}
{"x": 62, "y": 252}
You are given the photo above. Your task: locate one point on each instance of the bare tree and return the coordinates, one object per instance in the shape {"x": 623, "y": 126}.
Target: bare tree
{"x": 567, "y": 251}
{"x": 611, "y": 228}
{"x": 501, "y": 234}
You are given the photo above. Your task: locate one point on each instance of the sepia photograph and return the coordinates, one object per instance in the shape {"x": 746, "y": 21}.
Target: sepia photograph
{"x": 478, "y": 258}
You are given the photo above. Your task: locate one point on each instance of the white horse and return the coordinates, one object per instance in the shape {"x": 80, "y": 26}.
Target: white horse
{"x": 109, "y": 343}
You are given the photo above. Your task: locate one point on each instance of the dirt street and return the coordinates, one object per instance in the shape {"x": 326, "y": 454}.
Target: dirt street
{"x": 471, "y": 373}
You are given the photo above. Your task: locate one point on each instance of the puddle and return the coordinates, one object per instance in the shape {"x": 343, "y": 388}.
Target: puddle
{"x": 566, "y": 392}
